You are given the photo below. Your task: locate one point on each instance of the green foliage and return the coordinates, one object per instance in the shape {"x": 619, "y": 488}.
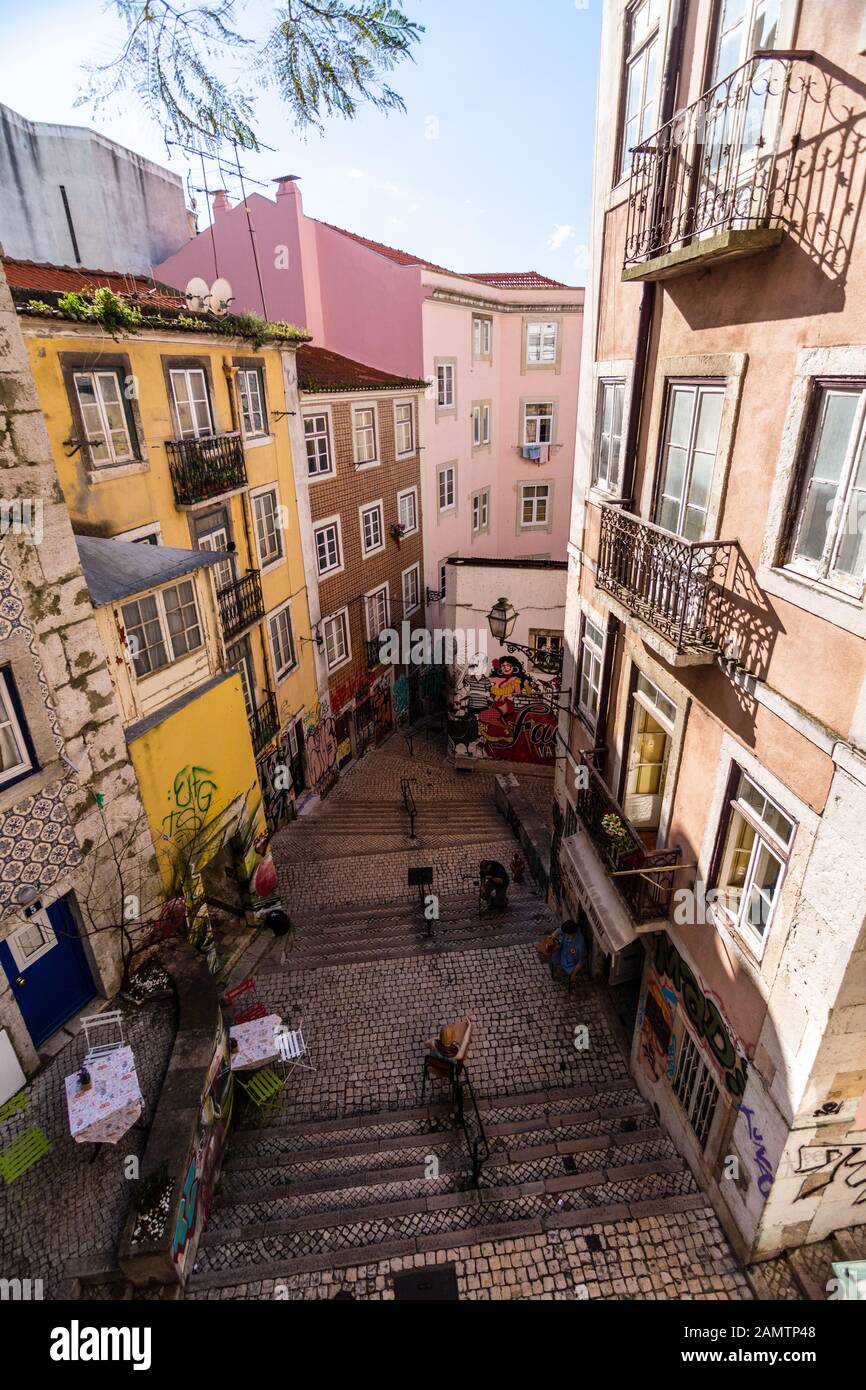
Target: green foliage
{"x": 323, "y": 57}
{"x": 102, "y": 306}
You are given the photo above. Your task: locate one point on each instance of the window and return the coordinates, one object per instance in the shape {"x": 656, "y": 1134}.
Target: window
{"x": 482, "y": 336}
{"x": 756, "y": 848}
{"x": 103, "y": 411}
{"x": 641, "y": 77}
{"x": 404, "y": 429}
{"x": 217, "y": 538}
{"x": 534, "y": 498}
{"x": 252, "y": 396}
{"x": 336, "y": 634}
{"x": 693, "y": 419}
{"x": 480, "y": 426}
{"x": 159, "y": 623}
{"x": 411, "y": 590}
{"x": 191, "y": 403}
{"x": 376, "y": 606}
{"x": 545, "y": 641}
{"x": 372, "y": 529}
{"x": 480, "y": 510}
{"x": 485, "y": 424}
{"x": 407, "y": 510}
{"x": 695, "y": 1088}
{"x": 364, "y": 424}
{"x": 443, "y": 578}
{"x": 591, "y": 656}
{"x": 150, "y": 534}
{"x": 269, "y": 537}
{"x": 611, "y": 403}
{"x": 31, "y": 941}
{"x": 744, "y": 27}
{"x": 237, "y": 658}
{"x": 830, "y": 533}
{"x": 318, "y": 443}
{"x": 282, "y": 641}
{"x": 541, "y": 343}
{"x": 538, "y": 423}
{"x": 476, "y": 426}
{"x": 446, "y": 488}
{"x": 445, "y": 385}
{"x": 329, "y": 555}
{"x": 16, "y": 759}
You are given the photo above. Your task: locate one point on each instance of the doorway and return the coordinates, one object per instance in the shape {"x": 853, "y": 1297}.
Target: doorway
{"x": 651, "y": 727}
{"x": 47, "y": 969}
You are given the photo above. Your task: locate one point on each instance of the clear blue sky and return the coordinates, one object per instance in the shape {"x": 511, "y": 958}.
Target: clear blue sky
{"x": 506, "y": 89}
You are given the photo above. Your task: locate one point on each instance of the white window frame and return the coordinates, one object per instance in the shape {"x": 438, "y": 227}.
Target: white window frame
{"x": 548, "y": 415}
{"x": 312, "y": 416}
{"x": 401, "y": 496}
{"x": 443, "y": 579}
{"x": 398, "y": 424}
{"x": 95, "y": 378}
{"x": 536, "y": 525}
{"x": 700, "y": 391}
{"x": 409, "y": 609}
{"x": 197, "y": 431}
{"x": 767, "y": 841}
{"x": 847, "y": 492}
{"x": 480, "y": 520}
{"x": 611, "y": 482}
{"x": 633, "y": 57}
{"x": 590, "y": 666}
{"x": 40, "y": 922}
{"x": 365, "y": 509}
{"x": 153, "y": 529}
{"x": 445, "y": 386}
{"x": 158, "y": 595}
{"x": 374, "y": 596}
{"x": 329, "y": 523}
{"x": 9, "y": 719}
{"x": 364, "y": 407}
{"x": 482, "y": 337}
{"x": 281, "y": 673}
{"x": 246, "y": 404}
{"x": 341, "y": 616}
{"x": 255, "y": 495}
{"x": 546, "y": 352}
{"x": 441, "y": 473}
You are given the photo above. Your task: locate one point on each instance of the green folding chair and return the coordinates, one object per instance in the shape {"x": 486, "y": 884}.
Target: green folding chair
{"x": 13, "y": 1106}
{"x": 20, "y": 1155}
{"x": 263, "y": 1087}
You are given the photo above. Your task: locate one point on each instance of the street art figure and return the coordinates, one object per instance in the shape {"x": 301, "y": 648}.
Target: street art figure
{"x": 507, "y": 715}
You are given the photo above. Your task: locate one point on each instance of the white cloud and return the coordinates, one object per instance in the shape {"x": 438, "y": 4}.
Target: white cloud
{"x": 356, "y": 173}
{"x": 562, "y": 232}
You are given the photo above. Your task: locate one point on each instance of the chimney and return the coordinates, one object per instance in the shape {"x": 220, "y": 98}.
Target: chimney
{"x": 287, "y": 186}
{"x": 220, "y": 201}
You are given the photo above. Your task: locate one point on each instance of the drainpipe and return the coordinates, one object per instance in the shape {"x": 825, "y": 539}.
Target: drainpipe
{"x": 646, "y": 315}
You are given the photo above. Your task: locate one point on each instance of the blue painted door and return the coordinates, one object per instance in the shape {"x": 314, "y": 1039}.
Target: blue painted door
{"x": 56, "y": 982}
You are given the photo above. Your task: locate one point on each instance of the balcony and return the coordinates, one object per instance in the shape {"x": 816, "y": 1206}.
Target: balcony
{"x": 241, "y": 604}
{"x": 719, "y": 181}
{"x": 643, "y": 879}
{"x": 264, "y": 723}
{"x": 204, "y": 468}
{"x": 674, "y": 593}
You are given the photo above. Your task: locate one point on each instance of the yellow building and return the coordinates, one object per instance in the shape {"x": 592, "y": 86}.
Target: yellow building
{"x": 170, "y": 429}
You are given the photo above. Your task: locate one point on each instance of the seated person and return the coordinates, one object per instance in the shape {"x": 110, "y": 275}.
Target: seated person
{"x": 569, "y": 952}
{"x": 494, "y": 883}
{"x": 448, "y": 1050}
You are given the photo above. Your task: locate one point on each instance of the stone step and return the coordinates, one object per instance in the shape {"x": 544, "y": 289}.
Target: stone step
{"x": 417, "y": 946}
{"x": 451, "y": 905}
{"x": 368, "y": 927}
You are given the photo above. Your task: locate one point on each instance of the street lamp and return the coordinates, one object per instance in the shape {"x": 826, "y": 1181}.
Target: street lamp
{"x": 501, "y": 620}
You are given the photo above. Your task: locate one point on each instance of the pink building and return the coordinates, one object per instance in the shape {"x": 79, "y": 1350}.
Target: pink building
{"x": 501, "y": 354}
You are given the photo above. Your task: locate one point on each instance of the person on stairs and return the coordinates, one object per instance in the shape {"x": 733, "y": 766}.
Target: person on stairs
{"x": 494, "y": 882}
{"x": 568, "y": 957}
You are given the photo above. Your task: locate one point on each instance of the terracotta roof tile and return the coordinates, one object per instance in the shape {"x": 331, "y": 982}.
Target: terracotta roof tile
{"x": 518, "y": 280}
{"x": 320, "y": 370}
{"x": 62, "y": 279}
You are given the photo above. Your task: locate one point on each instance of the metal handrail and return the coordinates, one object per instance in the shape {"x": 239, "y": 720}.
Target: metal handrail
{"x": 460, "y": 1084}
{"x": 409, "y": 804}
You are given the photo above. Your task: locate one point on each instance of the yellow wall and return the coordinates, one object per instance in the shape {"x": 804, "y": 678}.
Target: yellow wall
{"x": 197, "y": 776}
{"x": 118, "y": 499}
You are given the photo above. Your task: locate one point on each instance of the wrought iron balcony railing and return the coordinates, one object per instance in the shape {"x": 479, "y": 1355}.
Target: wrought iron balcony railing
{"x": 203, "y": 468}
{"x": 644, "y": 879}
{"x": 374, "y": 647}
{"x": 264, "y": 722}
{"x": 677, "y": 587}
{"x": 241, "y": 604}
{"x": 723, "y": 164}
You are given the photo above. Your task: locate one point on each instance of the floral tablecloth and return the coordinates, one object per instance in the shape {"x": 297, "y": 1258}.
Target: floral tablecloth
{"x": 256, "y": 1042}
{"x": 111, "y": 1105}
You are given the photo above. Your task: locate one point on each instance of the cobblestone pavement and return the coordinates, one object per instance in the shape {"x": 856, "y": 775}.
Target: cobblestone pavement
{"x": 367, "y": 1023}
{"x": 73, "y": 1202}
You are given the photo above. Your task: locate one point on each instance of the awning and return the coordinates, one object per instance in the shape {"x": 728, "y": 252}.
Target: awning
{"x": 591, "y": 885}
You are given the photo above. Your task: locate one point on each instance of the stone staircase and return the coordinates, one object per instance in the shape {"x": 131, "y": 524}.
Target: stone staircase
{"x": 330, "y": 1194}
{"x": 354, "y": 932}
{"x": 345, "y": 829}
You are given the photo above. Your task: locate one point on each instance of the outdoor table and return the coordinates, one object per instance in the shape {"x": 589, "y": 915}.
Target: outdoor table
{"x": 112, "y": 1103}
{"x": 256, "y": 1042}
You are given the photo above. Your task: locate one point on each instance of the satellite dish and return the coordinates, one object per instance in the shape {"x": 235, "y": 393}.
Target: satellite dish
{"x": 197, "y": 293}
{"x": 220, "y": 296}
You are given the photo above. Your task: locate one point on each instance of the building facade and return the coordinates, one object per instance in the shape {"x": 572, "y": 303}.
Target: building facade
{"x": 711, "y": 805}
{"x": 171, "y": 431}
{"x": 500, "y": 354}
{"x": 360, "y": 473}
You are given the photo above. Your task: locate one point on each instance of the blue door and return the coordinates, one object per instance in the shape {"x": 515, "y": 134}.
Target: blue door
{"x": 46, "y": 966}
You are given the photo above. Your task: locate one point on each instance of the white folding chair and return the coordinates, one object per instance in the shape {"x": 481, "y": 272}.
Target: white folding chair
{"x": 104, "y": 1034}
{"x": 292, "y": 1048}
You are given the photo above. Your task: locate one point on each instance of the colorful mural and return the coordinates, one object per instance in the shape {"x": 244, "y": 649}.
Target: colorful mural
{"x": 502, "y": 713}
{"x": 704, "y": 1015}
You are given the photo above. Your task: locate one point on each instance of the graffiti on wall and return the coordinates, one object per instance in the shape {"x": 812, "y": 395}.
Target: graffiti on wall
{"x": 201, "y": 1176}
{"x": 276, "y": 783}
{"x": 401, "y": 699}
{"x": 825, "y": 1163}
{"x": 704, "y": 1016}
{"x": 190, "y": 798}
{"x": 504, "y": 713}
{"x": 321, "y": 745}
{"x": 656, "y": 1023}
{"x": 759, "y": 1153}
